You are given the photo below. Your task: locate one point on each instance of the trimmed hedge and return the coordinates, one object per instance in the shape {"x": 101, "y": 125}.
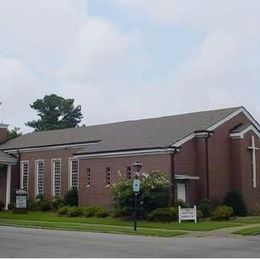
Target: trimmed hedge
{"x": 163, "y": 215}
{"x": 222, "y": 213}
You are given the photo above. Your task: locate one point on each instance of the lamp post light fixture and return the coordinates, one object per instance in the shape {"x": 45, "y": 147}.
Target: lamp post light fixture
{"x": 137, "y": 166}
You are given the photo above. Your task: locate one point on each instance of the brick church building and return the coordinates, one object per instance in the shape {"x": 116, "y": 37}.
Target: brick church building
{"x": 205, "y": 154}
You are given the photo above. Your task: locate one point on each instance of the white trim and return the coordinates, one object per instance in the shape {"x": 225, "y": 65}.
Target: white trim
{"x": 243, "y": 132}
{"x": 47, "y": 148}
{"x": 7, "y": 161}
{"x": 22, "y": 174}
{"x": 37, "y": 176}
{"x": 70, "y": 171}
{"x": 219, "y": 123}
{"x": 185, "y": 177}
{"x": 126, "y": 153}
{"x": 8, "y": 186}
{"x": 52, "y": 174}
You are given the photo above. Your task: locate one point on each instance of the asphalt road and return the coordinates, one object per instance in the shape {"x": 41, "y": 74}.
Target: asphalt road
{"x": 25, "y": 242}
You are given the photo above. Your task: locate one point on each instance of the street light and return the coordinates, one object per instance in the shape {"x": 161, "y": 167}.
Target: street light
{"x": 137, "y": 166}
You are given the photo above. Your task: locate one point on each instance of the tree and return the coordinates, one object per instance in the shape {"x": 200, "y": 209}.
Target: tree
{"x": 13, "y": 133}
{"x": 154, "y": 193}
{"x": 55, "y": 112}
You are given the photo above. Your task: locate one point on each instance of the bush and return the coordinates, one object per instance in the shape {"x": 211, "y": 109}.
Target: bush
{"x": 199, "y": 215}
{"x": 74, "y": 212}
{"x": 63, "y": 210}
{"x": 57, "y": 203}
{"x": 101, "y": 213}
{"x": 163, "y": 215}
{"x": 71, "y": 198}
{"x": 2, "y": 205}
{"x": 90, "y": 212}
{"x": 222, "y": 213}
{"x": 10, "y": 206}
{"x": 45, "y": 206}
{"x": 181, "y": 203}
{"x": 235, "y": 200}
{"x": 154, "y": 193}
{"x": 205, "y": 207}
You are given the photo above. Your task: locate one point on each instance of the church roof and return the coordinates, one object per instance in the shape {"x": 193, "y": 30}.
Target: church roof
{"x": 127, "y": 135}
{"x": 6, "y": 158}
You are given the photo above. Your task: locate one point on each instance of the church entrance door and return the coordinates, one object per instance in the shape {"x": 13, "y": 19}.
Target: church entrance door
{"x": 181, "y": 191}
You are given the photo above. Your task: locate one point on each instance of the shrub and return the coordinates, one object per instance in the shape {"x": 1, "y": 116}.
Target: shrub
{"x": 57, "y": 203}
{"x": 101, "y": 213}
{"x": 71, "y": 198}
{"x": 181, "y": 203}
{"x": 205, "y": 207}
{"x": 90, "y": 212}
{"x": 222, "y": 213}
{"x": 63, "y": 210}
{"x": 255, "y": 211}
{"x": 235, "y": 200}
{"x": 2, "y": 205}
{"x": 10, "y": 206}
{"x": 74, "y": 211}
{"x": 45, "y": 206}
{"x": 154, "y": 193}
{"x": 163, "y": 215}
{"x": 199, "y": 214}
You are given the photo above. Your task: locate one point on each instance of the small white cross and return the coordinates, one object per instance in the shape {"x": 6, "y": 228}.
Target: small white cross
{"x": 254, "y": 149}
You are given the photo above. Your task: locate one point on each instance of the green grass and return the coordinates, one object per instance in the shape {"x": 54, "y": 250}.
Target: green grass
{"x": 253, "y": 231}
{"x": 52, "y": 220}
{"x": 248, "y": 220}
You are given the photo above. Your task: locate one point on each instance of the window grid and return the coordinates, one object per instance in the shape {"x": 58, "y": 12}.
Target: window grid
{"x": 88, "y": 177}
{"x": 75, "y": 174}
{"x": 108, "y": 177}
{"x": 25, "y": 175}
{"x": 57, "y": 177}
{"x": 129, "y": 173}
{"x": 40, "y": 177}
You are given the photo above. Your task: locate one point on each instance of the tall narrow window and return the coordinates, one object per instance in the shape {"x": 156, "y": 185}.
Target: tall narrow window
{"x": 88, "y": 177}
{"x": 56, "y": 168}
{"x": 108, "y": 176}
{"x": 24, "y": 175}
{"x": 129, "y": 173}
{"x": 39, "y": 177}
{"x": 74, "y": 174}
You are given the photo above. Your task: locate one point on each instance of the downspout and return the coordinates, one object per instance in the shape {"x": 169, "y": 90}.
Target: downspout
{"x": 19, "y": 168}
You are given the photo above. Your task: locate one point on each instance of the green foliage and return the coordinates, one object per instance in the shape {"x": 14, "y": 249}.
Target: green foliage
{"x": 154, "y": 193}
{"x": 74, "y": 212}
{"x": 235, "y": 200}
{"x": 163, "y": 215}
{"x": 10, "y": 206}
{"x": 57, "y": 203}
{"x": 13, "y": 133}
{"x": 200, "y": 214}
{"x": 205, "y": 207}
{"x": 101, "y": 213}
{"x": 38, "y": 204}
{"x": 63, "y": 210}
{"x": 94, "y": 211}
{"x": 181, "y": 203}
{"x": 2, "y": 205}
{"x": 222, "y": 213}
{"x": 71, "y": 198}
{"x": 55, "y": 112}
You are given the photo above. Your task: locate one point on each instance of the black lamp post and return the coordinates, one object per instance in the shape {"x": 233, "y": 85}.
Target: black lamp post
{"x": 137, "y": 166}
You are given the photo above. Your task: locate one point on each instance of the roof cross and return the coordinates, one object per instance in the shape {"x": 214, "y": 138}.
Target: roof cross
{"x": 253, "y": 148}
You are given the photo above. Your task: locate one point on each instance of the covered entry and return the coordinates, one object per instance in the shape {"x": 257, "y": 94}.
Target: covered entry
{"x": 6, "y": 162}
{"x": 181, "y": 185}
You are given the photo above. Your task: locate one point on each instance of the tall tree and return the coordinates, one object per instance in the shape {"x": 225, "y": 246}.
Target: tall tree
{"x": 13, "y": 133}
{"x": 55, "y": 112}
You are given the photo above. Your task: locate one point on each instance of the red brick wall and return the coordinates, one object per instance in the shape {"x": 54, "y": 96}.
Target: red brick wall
{"x": 3, "y": 135}
{"x": 98, "y": 193}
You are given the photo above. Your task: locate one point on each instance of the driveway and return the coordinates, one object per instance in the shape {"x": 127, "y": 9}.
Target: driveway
{"x": 26, "y": 242}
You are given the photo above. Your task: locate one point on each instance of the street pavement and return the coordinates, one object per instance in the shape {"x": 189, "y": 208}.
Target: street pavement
{"x": 27, "y": 242}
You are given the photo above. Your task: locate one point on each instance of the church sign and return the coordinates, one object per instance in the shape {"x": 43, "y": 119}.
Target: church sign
{"x": 187, "y": 214}
{"x": 20, "y": 201}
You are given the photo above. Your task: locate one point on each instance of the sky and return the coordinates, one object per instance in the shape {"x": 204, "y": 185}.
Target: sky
{"x": 129, "y": 59}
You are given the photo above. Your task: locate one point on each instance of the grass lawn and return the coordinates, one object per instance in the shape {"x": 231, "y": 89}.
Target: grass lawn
{"x": 248, "y": 220}
{"x": 253, "y": 231}
{"x": 112, "y": 225}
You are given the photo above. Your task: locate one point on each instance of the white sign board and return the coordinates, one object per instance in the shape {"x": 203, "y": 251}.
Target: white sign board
{"x": 188, "y": 214}
{"x": 136, "y": 185}
{"x": 21, "y": 199}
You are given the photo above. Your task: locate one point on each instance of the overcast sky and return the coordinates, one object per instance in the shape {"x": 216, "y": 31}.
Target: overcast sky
{"x": 129, "y": 59}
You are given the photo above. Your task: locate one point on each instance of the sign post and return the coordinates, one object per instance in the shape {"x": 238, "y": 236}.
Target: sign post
{"x": 20, "y": 201}
{"x": 188, "y": 214}
{"x": 136, "y": 189}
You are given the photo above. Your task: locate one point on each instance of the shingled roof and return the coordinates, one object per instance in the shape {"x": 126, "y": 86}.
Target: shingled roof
{"x": 136, "y": 134}
{"x": 6, "y": 158}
